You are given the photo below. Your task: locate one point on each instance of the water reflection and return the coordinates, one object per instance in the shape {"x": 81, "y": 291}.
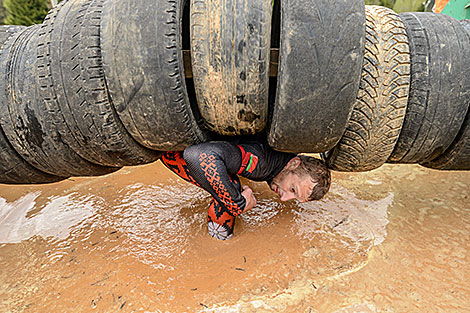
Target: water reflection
{"x": 55, "y": 219}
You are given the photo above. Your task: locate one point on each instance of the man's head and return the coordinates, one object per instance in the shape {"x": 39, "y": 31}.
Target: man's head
{"x": 303, "y": 178}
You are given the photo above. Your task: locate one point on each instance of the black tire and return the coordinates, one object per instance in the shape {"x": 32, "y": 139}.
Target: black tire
{"x": 440, "y": 86}
{"x": 92, "y": 128}
{"x": 380, "y": 107}
{"x": 13, "y": 168}
{"x": 26, "y": 122}
{"x": 457, "y": 156}
{"x": 321, "y": 55}
{"x": 143, "y": 62}
{"x": 230, "y": 49}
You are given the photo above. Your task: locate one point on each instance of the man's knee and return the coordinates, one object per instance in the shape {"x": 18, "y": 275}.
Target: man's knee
{"x": 191, "y": 154}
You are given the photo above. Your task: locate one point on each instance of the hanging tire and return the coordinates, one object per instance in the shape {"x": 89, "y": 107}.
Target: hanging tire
{"x": 230, "y": 49}
{"x": 143, "y": 62}
{"x": 13, "y": 168}
{"x": 457, "y": 156}
{"x": 380, "y": 107}
{"x": 26, "y": 121}
{"x": 88, "y": 122}
{"x": 440, "y": 87}
{"x": 321, "y": 55}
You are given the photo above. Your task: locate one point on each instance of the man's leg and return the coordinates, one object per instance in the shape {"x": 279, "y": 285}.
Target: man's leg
{"x": 174, "y": 161}
{"x": 220, "y": 221}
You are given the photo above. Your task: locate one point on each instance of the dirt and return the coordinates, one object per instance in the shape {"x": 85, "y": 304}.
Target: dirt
{"x": 394, "y": 239}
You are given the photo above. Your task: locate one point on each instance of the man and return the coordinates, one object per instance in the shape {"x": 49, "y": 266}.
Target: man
{"x": 214, "y": 166}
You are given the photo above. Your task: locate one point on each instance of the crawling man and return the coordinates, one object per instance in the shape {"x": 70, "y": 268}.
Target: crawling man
{"x": 214, "y": 166}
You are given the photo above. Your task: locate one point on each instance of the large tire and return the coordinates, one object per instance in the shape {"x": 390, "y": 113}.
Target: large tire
{"x": 379, "y": 112}
{"x": 25, "y": 120}
{"x": 13, "y": 168}
{"x": 321, "y": 55}
{"x": 86, "y": 119}
{"x": 230, "y": 48}
{"x": 457, "y": 156}
{"x": 440, "y": 86}
{"x": 143, "y": 62}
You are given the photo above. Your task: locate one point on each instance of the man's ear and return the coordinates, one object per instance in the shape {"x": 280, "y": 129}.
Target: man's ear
{"x": 293, "y": 164}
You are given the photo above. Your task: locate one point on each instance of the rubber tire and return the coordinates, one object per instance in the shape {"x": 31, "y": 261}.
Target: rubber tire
{"x": 92, "y": 127}
{"x": 440, "y": 86}
{"x": 457, "y": 156}
{"x": 321, "y": 55}
{"x": 380, "y": 107}
{"x": 230, "y": 50}
{"x": 26, "y": 122}
{"x": 13, "y": 168}
{"x": 143, "y": 63}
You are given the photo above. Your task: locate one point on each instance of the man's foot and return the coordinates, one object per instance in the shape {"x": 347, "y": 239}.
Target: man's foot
{"x": 219, "y": 231}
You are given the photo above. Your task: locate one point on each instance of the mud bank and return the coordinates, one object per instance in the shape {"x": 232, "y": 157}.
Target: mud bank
{"x": 395, "y": 239}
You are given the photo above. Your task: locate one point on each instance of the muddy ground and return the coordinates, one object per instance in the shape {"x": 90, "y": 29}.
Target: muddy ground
{"x": 395, "y": 239}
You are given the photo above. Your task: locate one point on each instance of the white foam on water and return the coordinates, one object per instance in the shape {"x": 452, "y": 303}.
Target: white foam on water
{"x": 157, "y": 221}
{"x": 343, "y": 212}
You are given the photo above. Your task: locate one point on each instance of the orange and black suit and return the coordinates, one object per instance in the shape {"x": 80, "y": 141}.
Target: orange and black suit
{"x": 214, "y": 166}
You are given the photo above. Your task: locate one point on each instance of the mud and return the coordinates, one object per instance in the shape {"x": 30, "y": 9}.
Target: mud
{"x": 391, "y": 240}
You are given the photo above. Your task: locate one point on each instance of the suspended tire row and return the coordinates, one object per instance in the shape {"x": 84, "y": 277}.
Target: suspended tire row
{"x": 379, "y": 111}
{"x": 410, "y": 109}
{"x": 102, "y": 84}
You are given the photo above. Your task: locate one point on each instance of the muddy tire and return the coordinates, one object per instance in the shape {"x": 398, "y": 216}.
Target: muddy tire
{"x": 92, "y": 127}
{"x": 440, "y": 87}
{"x": 230, "y": 47}
{"x": 26, "y": 121}
{"x": 457, "y": 156}
{"x": 380, "y": 107}
{"x": 321, "y": 55}
{"x": 143, "y": 62}
{"x": 13, "y": 168}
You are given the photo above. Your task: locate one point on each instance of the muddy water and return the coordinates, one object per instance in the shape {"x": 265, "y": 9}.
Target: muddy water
{"x": 395, "y": 239}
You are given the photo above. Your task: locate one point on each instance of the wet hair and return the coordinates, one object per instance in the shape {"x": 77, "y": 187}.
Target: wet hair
{"x": 319, "y": 174}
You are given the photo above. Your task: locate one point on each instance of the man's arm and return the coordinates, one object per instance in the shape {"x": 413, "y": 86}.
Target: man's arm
{"x": 214, "y": 166}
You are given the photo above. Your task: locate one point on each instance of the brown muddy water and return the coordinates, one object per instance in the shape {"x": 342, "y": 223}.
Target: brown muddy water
{"x": 395, "y": 239}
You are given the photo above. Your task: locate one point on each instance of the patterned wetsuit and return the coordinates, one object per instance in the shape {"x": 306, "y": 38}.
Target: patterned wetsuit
{"x": 214, "y": 166}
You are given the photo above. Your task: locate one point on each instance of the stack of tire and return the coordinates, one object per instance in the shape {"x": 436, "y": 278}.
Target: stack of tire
{"x": 413, "y": 101}
{"x": 102, "y": 84}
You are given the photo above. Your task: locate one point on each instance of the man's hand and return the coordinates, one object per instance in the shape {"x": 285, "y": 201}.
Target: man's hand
{"x": 247, "y": 193}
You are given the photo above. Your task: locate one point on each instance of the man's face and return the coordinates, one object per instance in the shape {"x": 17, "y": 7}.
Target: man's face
{"x": 289, "y": 185}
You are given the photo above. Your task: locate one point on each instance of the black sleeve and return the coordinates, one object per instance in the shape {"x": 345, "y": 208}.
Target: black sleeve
{"x": 214, "y": 166}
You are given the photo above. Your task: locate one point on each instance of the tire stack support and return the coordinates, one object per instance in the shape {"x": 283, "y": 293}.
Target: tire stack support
{"x": 102, "y": 84}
